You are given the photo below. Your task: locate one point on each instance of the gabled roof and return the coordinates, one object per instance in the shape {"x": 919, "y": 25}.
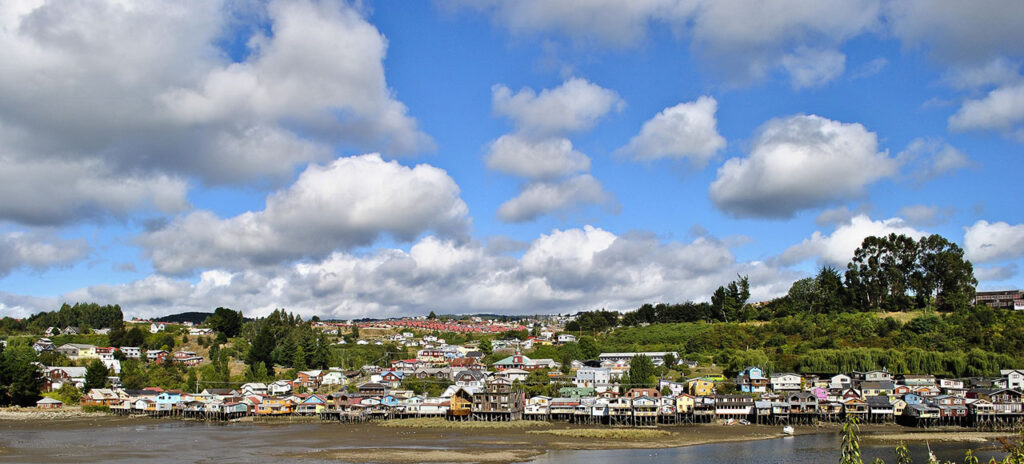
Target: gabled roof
{"x": 72, "y": 372}
{"x": 883, "y": 384}
{"x": 317, "y": 398}
{"x": 879, "y": 401}
{"x": 475, "y": 374}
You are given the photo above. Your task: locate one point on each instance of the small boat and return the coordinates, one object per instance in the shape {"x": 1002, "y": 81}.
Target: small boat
{"x": 788, "y": 430}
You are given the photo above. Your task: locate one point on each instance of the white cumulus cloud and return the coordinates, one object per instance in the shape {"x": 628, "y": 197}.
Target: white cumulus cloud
{"x": 546, "y": 158}
{"x": 39, "y": 251}
{"x": 347, "y": 203}
{"x": 686, "y": 130}
{"x": 573, "y": 106}
{"x": 800, "y": 162}
{"x": 993, "y": 241}
{"x": 1002, "y": 110}
{"x": 563, "y": 271}
{"x": 739, "y": 40}
{"x": 540, "y": 198}
{"x": 140, "y": 95}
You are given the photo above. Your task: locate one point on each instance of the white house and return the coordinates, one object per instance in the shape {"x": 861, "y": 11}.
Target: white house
{"x": 157, "y": 327}
{"x": 281, "y": 387}
{"x": 598, "y": 378}
{"x": 785, "y": 382}
{"x": 566, "y": 338}
{"x": 333, "y": 377}
{"x": 200, "y": 331}
{"x": 657, "y": 357}
{"x": 254, "y": 388}
{"x": 677, "y": 388}
{"x": 41, "y": 345}
{"x": 131, "y": 352}
{"x": 513, "y": 374}
{"x": 470, "y": 378}
{"x": 840, "y": 381}
{"x": 1014, "y": 378}
{"x": 113, "y": 365}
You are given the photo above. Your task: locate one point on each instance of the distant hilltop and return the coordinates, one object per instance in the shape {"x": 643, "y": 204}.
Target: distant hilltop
{"x": 194, "y": 317}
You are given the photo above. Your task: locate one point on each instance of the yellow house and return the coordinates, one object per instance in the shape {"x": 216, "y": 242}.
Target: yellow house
{"x": 684, "y": 404}
{"x": 700, "y": 387}
{"x": 275, "y": 406}
{"x": 898, "y": 406}
{"x": 461, "y": 403}
{"x": 75, "y": 351}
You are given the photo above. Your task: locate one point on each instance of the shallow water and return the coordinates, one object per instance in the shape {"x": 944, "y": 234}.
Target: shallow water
{"x": 804, "y": 449}
{"x": 185, "y": 442}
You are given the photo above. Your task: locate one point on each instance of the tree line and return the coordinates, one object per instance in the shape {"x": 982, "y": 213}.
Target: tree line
{"x": 79, "y": 315}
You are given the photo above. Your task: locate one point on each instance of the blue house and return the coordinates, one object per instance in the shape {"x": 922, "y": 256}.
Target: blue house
{"x": 752, "y": 380}
{"x": 912, "y": 398}
{"x": 312, "y": 405}
{"x": 171, "y": 397}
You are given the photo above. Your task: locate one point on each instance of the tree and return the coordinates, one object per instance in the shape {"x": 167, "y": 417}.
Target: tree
{"x": 641, "y": 372}
{"x": 133, "y": 376}
{"x": 947, "y": 273}
{"x": 226, "y": 321}
{"x": 896, "y": 272}
{"x": 670, "y": 360}
{"x": 68, "y": 394}
{"x": 96, "y": 375}
{"x": 299, "y": 360}
{"x": 727, "y": 301}
{"x": 355, "y": 331}
{"x": 828, "y": 291}
{"x": 192, "y": 381}
{"x": 432, "y": 316}
{"x": 588, "y": 347}
{"x": 20, "y": 378}
{"x": 261, "y": 349}
{"x": 486, "y": 348}
{"x": 134, "y": 337}
{"x": 257, "y": 374}
{"x": 802, "y": 294}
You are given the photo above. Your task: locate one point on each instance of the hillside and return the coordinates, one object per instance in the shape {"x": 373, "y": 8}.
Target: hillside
{"x": 969, "y": 342}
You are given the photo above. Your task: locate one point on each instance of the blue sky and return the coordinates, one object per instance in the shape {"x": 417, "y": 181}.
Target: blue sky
{"x": 388, "y": 158}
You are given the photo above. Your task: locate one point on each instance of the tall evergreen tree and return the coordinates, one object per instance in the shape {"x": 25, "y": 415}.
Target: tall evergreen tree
{"x": 642, "y": 372}
{"x": 20, "y": 378}
{"x": 96, "y": 375}
{"x": 261, "y": 349}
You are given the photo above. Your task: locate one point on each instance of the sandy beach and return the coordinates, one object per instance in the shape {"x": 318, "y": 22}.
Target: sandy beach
{"x": 34, "y": 414}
